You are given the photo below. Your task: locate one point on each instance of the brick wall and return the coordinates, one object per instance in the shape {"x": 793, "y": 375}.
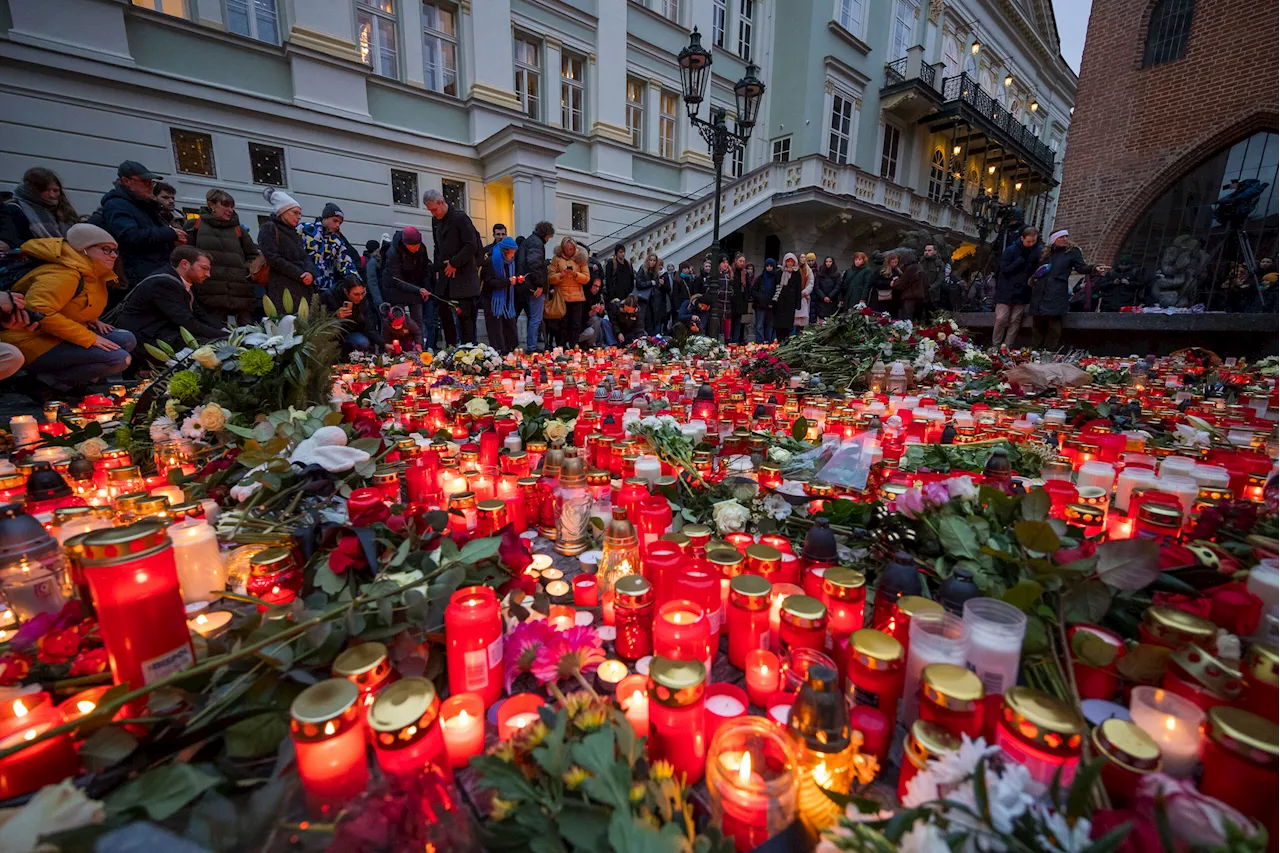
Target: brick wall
{"x": 1136, "y": 130}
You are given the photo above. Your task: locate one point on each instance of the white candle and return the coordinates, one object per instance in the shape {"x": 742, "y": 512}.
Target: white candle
{"x": 512, "y": 442}
{"x": 25, "y": 430}
{"x": 1094, "y": 473}
{"x": 1172, "y": 722}
{"x": 1129, "y": 479}
{"x": 649, "y": 467}
{"x": 1184, "y": 487}
{"x": 201, "y": 573}
{"x": 780, "y": 714}
{"x": 725, "y": 706}
{"x": 1211, "y": 476}
{"x": 993, "y": 645}
{"x": 173, "y": 493}
{"x": 211, "y": 511}
{"x": 81, "y": 524}
{"x": 1177, "y": 466}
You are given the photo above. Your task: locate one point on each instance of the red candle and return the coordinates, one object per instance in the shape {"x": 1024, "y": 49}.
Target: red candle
{"x": 473, "y": 639}
{"x": 951, "y": 696}
{"x": 633, "y": 617}
{"x": 766, "y": 561}
{"x": 1201, "y": 678}
{"x": 516, "y": 713}
{"x": 274, "y": 576}
{"x": 1129, "y": 753}
{"x": 682, "y": 631}
{"x": 802, "y": 624}
{"x": 748, "y": 617}
{"x": 420, "y": 479}
{"x": 329, "y": 742}
{"x": 490, "y": 442}
{"x": 44, "y": 763}
{"x": 367, "y": 667}
{"x": 80, "y": 704}
{"x": 701, "y": 585}
{"x": 141, "y": 618}
{"x": 1261, "y": 672}
{"x": 762, "y": 670}
{"x": 740, "y": 541}
{"x": 1239, "y": 753}
{"x": 844, "y": 592}
{"x": 1093, "y": 681}
{"x": 404, "y": 722}
{"x": 632, "y": 695}
{"x": 561, "y": 617}
{"x": 724, "y": 702}
{"x": 677, "y": 713}
{"x": 462, "y": 726}
{"x": 875, "y": 673}
{"x": 778, "y": 541}
{"x": 655, "y": 518}
{"x": 924, "y": 743}
{"x": 586, "y": 591}
{"x": 24, "y": 711}
{"x": 660, "y": 566}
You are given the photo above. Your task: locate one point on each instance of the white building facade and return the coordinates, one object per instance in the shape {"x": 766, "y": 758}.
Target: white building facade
{"x": 566, "y": 110}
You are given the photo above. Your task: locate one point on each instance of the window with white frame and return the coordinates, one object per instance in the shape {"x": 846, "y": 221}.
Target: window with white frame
{"x": 376, "y": 26}
{"x": 782, "y": 150}
{"x": 668, "y": 104}
{"x": 1055, "y": 142}
{"x": 937, "y": 174}
{"x": 256, "y": 19}
{"x": 528, "y": 75}
{"x": 738, "y": 161}
{"x": 950, "y": 57}
{"x": 902, "y": 30}
{"x": 669, "y": 9}
{"x": 455, "y": 193}
{"x": 841, "y": 131}
{"x": 891, "y": 141}
{"x": 849, "y": 15}
{"x": 719, "y": 17}
{"x": 635, "y": 111}
{"x": 177, "y": 8}
{"x": 572, "y": 71}
{"x": 440, "y": 46}
{"x": 744, "y": 29}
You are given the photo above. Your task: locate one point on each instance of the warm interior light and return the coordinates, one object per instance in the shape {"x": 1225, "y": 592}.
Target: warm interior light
{"x": 1008, "y": 80}
{"x": 201, "y": 619}
{"x": 955, "y": 152}
{"x": 744, "y": 769}
{"x": 977, "y": 46}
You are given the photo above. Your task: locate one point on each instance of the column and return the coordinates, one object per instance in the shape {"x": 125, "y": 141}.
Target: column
{"x": 652, "y": 117}
{"x": 523, "y": 198}
{"x": 551, "y": 80}
{"x": 694, "y": 150}
{"x": 326, "y": 26}
{"x": 487, "y": 52}
{"x": 609, "y": 87}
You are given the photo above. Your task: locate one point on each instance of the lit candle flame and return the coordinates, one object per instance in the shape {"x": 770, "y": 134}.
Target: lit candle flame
{"x": 330, "y": 728}
{"x": 201, "y": 619}
{"x": 1170, "y": 723}
{"x": 29, "y": 734}
{"x": 744, "y": 769}
{"x": 463, "y": 718}
{"x": 84, "y": 706}
{"x": 19, "y": 710}
{"x": 637, "y": 698}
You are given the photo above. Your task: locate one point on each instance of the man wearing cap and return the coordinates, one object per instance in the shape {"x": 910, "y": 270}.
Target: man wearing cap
{"x": 408, "y": 282}
{"x": 328, "y": 249}
{"x": 133, "y": 216}
{"x": 457, "y": 244}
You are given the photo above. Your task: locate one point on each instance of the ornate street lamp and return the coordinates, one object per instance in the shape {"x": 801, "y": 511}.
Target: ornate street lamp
{"x": 695, "y": 71}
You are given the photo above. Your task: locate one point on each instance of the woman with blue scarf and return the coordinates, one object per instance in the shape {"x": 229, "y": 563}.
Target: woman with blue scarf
{"x": 762, "y": 299}
{"x": 499, "y": 289}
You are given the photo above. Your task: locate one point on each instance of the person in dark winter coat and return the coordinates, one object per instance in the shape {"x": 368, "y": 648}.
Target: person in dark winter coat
{"x": 374, "y": 253}
{"x": 1050, "y": 290}
{"x": 285, "y": 252}
{"x": 694, "y": 314}
{"x": 762, "y": 298}
{"x": 400, "y": 333}
{"x": 228, "y": 292}
{"x": 131, "y": 214}
{"x": 1124, "y": 284}
{"x": 457, "y": 245}
{"x": 619, "y": 277}
{"x": 358, "y": 317}
{"x": 162, "y": 304}
{"x": 1017, "y": 263}
{"x": 912, "y": 297}
{"x": 408, "y": 280}
{"x": 531, "y": 266}
{"x": 933, "y": 273}
{"x": 39, "y": 208}
{"x": 786, "y": 297}
{"x": 720, "y": 294}
{"x": 626, "y": 319}
{"x": 684, "y": 285}
{"x": 498, "y": 283}
{"x": 826, "y": 290}
{"x": 648, "y": 290}
{"x": 857, "y": 281}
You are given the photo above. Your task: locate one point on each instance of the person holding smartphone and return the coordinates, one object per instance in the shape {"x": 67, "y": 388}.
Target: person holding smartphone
{"x": 361, "y": 326}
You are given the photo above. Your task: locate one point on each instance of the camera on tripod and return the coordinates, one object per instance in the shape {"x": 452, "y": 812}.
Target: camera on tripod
{"x": 1235, "y": 208}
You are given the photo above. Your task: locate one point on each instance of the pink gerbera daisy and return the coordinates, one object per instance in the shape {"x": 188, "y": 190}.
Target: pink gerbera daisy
{"x": 569, "y": 654}
{"x": 522, "y": 646}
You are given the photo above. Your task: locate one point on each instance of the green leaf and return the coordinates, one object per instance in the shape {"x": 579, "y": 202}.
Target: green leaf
{"x": 106, "y": 747}
{"x": 957, "y": 537}
{"x": 1036, "y": 640}
{"x": 1078, "y": 797}
{"x": 162, "y": 791}
{"x": 326, "y": 579}
{"x": 980, "y": 797}
{"x": 566, "y": 413}
{"x": 611, "y": 782}
{"x": 1024, "y": 594}
{"x": 1129, "y": 563}
{"x": 479, "y": 550}
{"x": 1090, "y": 649}
{"x": 1035, "y": 505}
{"x": 629, "y": 835}
{"x": 551, "y": 753}
{"x": 401, "y": 553}
{"x": 502, "y": 777}
{"x": 256, "y": 736}
{"x": 1036, "y": 536}
{"x": 584, "y": 826}
{"x": 1111, "y": 840}
{"x": 800, "y": 428}
{"x": 1086, "y": 602}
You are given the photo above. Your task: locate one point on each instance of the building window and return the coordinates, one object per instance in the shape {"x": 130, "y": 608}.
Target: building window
{"x": 253, "y": 18}
{"x": 849, "y": 15}
{"x": 889, "y": 153}
{"x": 193, "y": 152}
{"x": 1167, "y": 31}
{"x": 571, "y": 91}
{"x": 902, "y": 31}
{"x": 579, "y": 218}
{"x": 937, "y": 174}
{"x": 1055, "y": 142}
{"x": 782, "y": 150}
{"x": 950, "y": 57}
{"x": 267, "y": 164}
{"x": 667, "y": 125}
{"x": 404, "y": 188}
{"x": 841, "y": 129}
{"x": 738, "y": 161}
{"x": 528, "y": 78}
{"x": 376, "y": 24}
{"x": 635, "y": 111}
{"x": 177, "y": 8}
{"x": 719, "y": 12}
{"x": 455, "y": 193}
{"x": 744, "y": 29}
{"x": 670, "y": 9}
{"x": 440, "y": 47}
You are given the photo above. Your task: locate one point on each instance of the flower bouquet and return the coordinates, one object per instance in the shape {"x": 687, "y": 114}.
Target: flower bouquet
{"x": 469, "y": 359}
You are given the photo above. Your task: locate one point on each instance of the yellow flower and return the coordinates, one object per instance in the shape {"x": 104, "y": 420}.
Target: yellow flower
{"x": 576, "y": 702}
{"x": 206, "y": 358}
{"x": 503, "y": 751}
{"x": 427, "y": 358}
{"x": 531, "y": 736}
{"x": 213, "y": 417}
{"x": 590, "y": 720}
{"x": 637, "y": 792}
{"x": 500, "y": 808}
{"x": 574, "y": 778}
{"x": 661, "y": 769}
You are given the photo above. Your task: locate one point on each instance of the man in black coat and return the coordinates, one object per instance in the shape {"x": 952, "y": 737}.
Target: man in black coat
{"x": 1124, "y": 284}
{"x": 531, "y": 262}
{"x": 619, "y": 277}
{"x": 131, "y": 214}
{"x": 408, "y": 280}
{"x": 1013, "y": 293}
{"x": 161, "y": 305}
{"x": 457, "y": 245}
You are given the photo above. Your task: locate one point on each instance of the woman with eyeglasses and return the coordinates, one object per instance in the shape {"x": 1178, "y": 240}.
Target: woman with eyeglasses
{"x": 65, "y": 294}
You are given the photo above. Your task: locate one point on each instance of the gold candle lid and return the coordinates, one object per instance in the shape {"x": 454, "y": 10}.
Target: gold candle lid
{"x": 1160, "y": 514}
{"x": 1244, "y": 734}
{"x": 527, "y": 482}
{"x": 12, "y": 481}
{"x": 63, "y": 514}
{"x": 679, "y": 538}
{"x": 403, "y": 712}
{"x": 324, "y": 709}
{"x": 129, "y": 503}
{"x": 1041, "y": 719}
{"x": 750, "y": 589}
{"x": 928, "y": 741}
{"x": 914, "y": 605}
{"x": 632, "y": 591}
{"x": 1179, "y": 626}
{"x": 1085, "y": 514}
{"x": 271, "y": 560}
{"x": 1262, "y": 664}
{"x": 841, "y": 581}
{"x": 1128, "y": 745}
{"x": 1207, "y": 671}
{"x": 462, "y": 500}
{"x": 384, "y": 475}
{"x": 875, "y": 649}
{"x": 151, "y": 505}
{"x": 676, "y": 682}
{"x": 493, "y": 505}
{"x": 804, "y": 608}
{"x": 951, "y": 686}
{"x": 120, "y": 544}
{"x": 128, "y": 472}
{"x": 763, "y": 553}
{"x": 696, "y": 531}
{"x": 727, "y": 560}
{"x": 358, "y": 660}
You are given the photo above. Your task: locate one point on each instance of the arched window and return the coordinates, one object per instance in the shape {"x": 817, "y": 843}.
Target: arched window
{"x": 971, "y": 66}
{"x": 972, "y": 189}
{"x": 989, "y": 82}
{"x": 937, "y": 174}
{"x": 950, "y": 57}
{"x": 1016, "y": 109}
{"x": 1167, "y": 31}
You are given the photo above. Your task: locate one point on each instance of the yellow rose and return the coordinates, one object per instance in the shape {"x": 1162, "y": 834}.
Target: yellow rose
{"x": 555, "y": 431}
{"x": 477, "y": 407}
{"x": 213, "y": 417}
{"x": 91, "y": 448}
{"x": 206, "y": 358}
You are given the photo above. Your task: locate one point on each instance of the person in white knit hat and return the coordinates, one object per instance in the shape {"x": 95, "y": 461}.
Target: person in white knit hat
{"x": 1050, "y": 288}
{"x": 292, "y": 270}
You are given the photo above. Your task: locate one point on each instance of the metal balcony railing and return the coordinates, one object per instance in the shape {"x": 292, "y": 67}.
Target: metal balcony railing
{"x": 896, "y": 72}
{"x": 966, "y": 88}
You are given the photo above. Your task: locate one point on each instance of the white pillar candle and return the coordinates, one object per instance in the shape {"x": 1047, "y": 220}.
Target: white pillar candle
{"x": 1055, "y": 417}
{"x": 1173, "y": 723}
{"x": 512, "y": 442}
{"x": 993, "y": 644}
{"x": 1128, "y": 479}
{"x": 172, "y": 493}
{"x": 1177, "y": 466}
{"x": 962, "y": 420}
{"x": 201, "y": 572}
{"x": 25, "y": 430}
{"x": 649, "y": 467}
{"x": 81, "y": 524}
{"x": 1184, "y": 487}
{"x": 1211, "y": 476}
{"x": 1095, "y": 473}
{"x": 936, "y": 637}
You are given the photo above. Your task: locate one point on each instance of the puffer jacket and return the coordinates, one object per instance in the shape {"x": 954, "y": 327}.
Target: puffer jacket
{"x": 68, "y": 289}
{"x": 568, "y": 275}
{"x": 826, "y": 286}
{"x": 141, "y": 228}
{"x": 1050, "y": 293}
{"x": 910, "y": 282}
{"x": 227, "y": 292}
{"x": 287, "y": 256}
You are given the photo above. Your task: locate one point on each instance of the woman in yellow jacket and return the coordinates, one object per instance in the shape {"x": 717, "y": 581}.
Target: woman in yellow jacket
{"x": 71, "y": 347}
{"x": 567, "y": 273}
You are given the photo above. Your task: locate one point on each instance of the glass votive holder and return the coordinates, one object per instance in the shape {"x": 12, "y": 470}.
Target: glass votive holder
{"x": 1173, "y": 722}
{"x": 795, "y": 668}
{"x": 936, "y": 637}
{"x": 993, "y": 645}
{"x": 751, "y": 777}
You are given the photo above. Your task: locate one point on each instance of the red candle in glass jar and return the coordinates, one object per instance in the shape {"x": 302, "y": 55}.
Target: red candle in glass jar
{"x": 1129, "y": 755}
{"x": 517, "y": 713}
{"x": 420, "y": 478}
{"x": 844, "y": 592}
{"x": 925, "y": 742}
{"x": 473, "y": 641}
{"x": 367, "y": 667}
{"x": 273, "y": 576}
{"x": 632, "y": 696}
{"x": 1095, "y": 680}
{"x": 586, "y": 591}
{"x": 329, "y": 742}
{"x": 1173, "y": 628}
{"x": 44, "y": 763}
{"x": 875, "y": 673}
{"x": 1041, "y": 733}
{"x": 1239, "y": 754}
{"x": 1061, "y": 493}
{"x": 1261, "y": 672}
{"x": 776, "y": 541}
{"x": 951, "y": 696}
{"x": 677, "y": 716}
{"x": 762, "y": 671}
{"x": 633, "y": 606}
{"x": 660, "y": 566}
{"x": 141, "y": 617}
{"x": 702, "y": 586}
{"x": 634, "y": 491}
{"x": 766, "y": 561}
{"x": 802, "y": 624}
{"x": 655, "y": 518}
{"x": 748, "y": 617}
{"x": 681, "y": 631}
{"x": 462, "y": 726}
{"x": 404, "y": 723}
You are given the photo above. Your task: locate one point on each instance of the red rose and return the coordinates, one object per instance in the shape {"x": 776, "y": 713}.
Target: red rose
{"x": 1233, "y": 607}
{"x": 13, "y": 668}
{"x": 367, "y": 428}
{"x": 58, "y": 646}
{"x": 90, "y": 662}
{"x": 513, "y": 553}
{"x": 347, "y": 554}
{"x": 1080, "y": 552}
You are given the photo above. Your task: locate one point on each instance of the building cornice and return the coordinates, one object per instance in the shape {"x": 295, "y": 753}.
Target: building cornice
{"x": 849, "y": 38}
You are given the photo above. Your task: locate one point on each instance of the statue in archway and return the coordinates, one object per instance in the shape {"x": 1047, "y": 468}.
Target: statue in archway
{"x": 1177, "y": 281}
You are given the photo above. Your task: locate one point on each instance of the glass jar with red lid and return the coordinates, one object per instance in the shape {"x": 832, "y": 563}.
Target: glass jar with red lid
{"x": 951, "y": 696}
{"x": 1239, "y": 753}
{"x": 747, "y": 617}
{"x": 1041, "y": 733}
{"x": 802, "y": 624}
{"x": 925, "y": 742}
{"x": 1130, "y": 755}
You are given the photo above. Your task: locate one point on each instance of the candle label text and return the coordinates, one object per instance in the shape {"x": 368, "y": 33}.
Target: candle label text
{"x": 167, "y": 664}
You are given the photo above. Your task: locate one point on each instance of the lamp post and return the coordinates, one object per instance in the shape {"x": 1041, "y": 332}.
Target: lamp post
{"x": 695, "y": 71}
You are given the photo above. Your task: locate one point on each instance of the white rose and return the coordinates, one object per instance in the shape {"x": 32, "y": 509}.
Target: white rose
{"x": 730, "y": 516}
{"x": 961, "y": 487}
{"x": 477, "y": 407}
{"x": 213, "y": 417}
{"x": 555, "y": 431}
{"x": 206, "y": 358}
{"x": 780, "y": 455}
{"x": 91, "y": 448}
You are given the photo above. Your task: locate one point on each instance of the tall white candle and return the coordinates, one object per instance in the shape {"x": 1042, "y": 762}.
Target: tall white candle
{"x": 936, "y": 637}
{"x": 1094, "y": 473}
{"x": 1129, "y": 479}
{"x": 1177, "y": 466}
{"x": 25, "y": 430}
{"x": 1184, "y": 487}
{"x": 649, "y": 467}
{"x": 1172, "y": 722}
{"x": 201, "y": 573}
{"x": 993, "y": 644}
{"x": 1211, "y": 476}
